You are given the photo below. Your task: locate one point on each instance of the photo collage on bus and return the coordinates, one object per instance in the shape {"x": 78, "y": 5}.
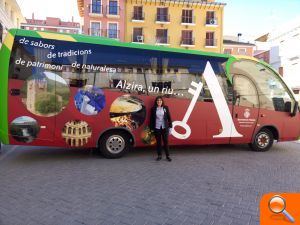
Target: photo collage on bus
{"x": 89, "y": 87}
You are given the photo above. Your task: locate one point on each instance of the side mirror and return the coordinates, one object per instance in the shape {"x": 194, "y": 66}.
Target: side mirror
{"x": 295, "y": 109}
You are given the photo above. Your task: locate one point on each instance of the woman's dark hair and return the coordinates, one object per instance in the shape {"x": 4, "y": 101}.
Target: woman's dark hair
{"x": 159, "y": 97}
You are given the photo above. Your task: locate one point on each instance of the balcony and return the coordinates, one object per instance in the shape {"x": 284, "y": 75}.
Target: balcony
{"x": 109, "y": 33}
{"x": 210, "y": 43}
{"x": 138, "y": 38}
{"x": 188, "y": 20}
{"x": 162, "y": 19}
{"x": 113, "y": 11}
{"x": 96, "y": 32}
{"x": 211, "y": 22}
{"x": 162, "y": 40}
{"x": 95, "y": 10}
{"x": 138, "y": 17}
{"x": 187, "y": 42}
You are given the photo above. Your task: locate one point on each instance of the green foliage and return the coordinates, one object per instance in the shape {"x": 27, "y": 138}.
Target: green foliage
{"x": 46, "y": 103}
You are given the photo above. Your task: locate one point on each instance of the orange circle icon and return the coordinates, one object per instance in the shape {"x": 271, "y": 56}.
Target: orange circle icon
{"x": 277, "y": 204}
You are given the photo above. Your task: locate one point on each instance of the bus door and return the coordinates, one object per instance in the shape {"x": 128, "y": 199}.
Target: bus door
{"x": 245, "y": 108}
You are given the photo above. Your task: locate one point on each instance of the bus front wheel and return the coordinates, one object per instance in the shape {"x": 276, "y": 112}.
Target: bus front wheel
{"x": 114, "y": 144}
{"x": 263, "y": 141}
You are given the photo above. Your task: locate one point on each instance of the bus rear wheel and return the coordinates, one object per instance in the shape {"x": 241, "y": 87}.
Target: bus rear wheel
{"x": 263, "y": 141}
{"x": 114, "y": 144}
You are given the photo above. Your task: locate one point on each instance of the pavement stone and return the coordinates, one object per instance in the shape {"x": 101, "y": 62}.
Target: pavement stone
{"x": 206, "y": 185}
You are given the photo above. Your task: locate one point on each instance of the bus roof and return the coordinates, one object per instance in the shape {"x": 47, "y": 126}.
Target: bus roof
{"x": 108, "y": 41}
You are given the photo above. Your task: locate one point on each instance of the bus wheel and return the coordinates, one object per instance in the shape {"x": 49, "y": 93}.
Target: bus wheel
{"x": 114, "y": 144}
{"x": 263, "y": 141}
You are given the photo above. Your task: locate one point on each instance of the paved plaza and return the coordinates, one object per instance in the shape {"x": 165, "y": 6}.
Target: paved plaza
{"x": 204, "y": 185}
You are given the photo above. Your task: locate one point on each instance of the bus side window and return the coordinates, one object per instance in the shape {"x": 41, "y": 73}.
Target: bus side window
{"x": 273, "y": 94}
{"x": 225, "y": 85}
{"x": 173, "y": 83}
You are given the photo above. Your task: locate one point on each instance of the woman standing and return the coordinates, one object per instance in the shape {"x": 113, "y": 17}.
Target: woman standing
{"x": 160, "y": 123}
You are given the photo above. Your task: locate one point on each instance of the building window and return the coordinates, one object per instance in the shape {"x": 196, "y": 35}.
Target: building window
{"x": 242, "y": 51}
{"x": 113, "y": 8}
{"x": 187, "y": 37}
{"x": 138, "y": 35}
{"x": 113, "y": 30}
{"x": 95, "y": 29}
{"x": 187, "y": 16}
{"x": 211, "y": 18}
{"x": 296, "y": 92}
{"x": 96, "y": 7}
{"x": 227, "y": 51}
{"x": 162, "y": 36}
{"x": 162, "y": 15}
{"x": 210, "y": 39}
{"x": 138, "y": 13}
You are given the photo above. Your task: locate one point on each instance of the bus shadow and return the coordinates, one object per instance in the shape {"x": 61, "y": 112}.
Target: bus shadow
{"x": 30, "y": 154}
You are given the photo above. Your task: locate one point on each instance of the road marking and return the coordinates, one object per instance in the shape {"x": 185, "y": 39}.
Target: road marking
{"x": 3, "y": 156}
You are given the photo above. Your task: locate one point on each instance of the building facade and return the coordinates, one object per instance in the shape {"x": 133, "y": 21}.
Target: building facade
{"x": 10, "y": 17}
{"x": 263, "y": 55}
{"x": 238, "y": 48}
{"x": 51, "y": 24}
{"x": 103, "y": 18}
{"x": 181, "y": 24}
{"x": 283, "y": 44}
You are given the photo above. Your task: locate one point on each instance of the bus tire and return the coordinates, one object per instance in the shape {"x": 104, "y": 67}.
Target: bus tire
{"x": 263, "y": 141}
{"x": 114, "y": 144}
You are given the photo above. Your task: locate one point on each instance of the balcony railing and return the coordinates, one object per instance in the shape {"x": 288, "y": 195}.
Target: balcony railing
{"x": 138, "y": 16}
{"x": 96, "y": 8}
{"x": 187, "y": 41}
{"x": 162, "y": 39}
{"x": 113, "y": 10}
{"x": 210, "y": 42}
{"x": 110, "y": 33}
{"x": 96, "y": 32}
{"x": 211, "y": 21}
{"x": 162, "y": 18}
{"x": 137, "y": 38}
{"x": 188, "y": 19}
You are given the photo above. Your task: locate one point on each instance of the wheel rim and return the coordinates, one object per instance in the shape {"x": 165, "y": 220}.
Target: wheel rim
{"x": 263, "y": 140}
{"x": 115, "y": 144}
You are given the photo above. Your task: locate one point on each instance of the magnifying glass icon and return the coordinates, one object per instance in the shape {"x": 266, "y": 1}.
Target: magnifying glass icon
{"x": 277, "y": 205}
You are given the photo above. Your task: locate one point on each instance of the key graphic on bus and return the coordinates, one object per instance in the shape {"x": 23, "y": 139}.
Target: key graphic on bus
{"x": 183, "y": 123}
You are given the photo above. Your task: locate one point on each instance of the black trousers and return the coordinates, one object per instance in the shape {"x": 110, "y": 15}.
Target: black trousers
{"x": 162, "y": 134}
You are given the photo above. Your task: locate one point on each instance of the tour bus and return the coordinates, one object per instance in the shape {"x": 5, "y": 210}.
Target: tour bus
{"x": 76, "y": 91}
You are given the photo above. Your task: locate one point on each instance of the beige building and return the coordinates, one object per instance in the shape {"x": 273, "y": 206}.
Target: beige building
{"x": 182, "y": 24}
{"x": 10, "y": 17}
{"x": 35, "y": 87}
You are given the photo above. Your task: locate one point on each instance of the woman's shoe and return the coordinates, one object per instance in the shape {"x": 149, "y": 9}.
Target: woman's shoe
{"x": 169, "y": 159}
{"x": 158, "y": 158}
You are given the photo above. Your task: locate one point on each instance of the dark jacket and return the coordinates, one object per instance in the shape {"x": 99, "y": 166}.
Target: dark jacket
{"x": 167, "y": 117}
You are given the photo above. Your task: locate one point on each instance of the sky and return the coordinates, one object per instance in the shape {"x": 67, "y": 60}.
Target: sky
{"x": 250, "y": 18}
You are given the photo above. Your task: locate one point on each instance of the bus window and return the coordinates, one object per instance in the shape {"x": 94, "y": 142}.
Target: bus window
{"x": 244, "y": 92}
{"x": 273, "y": 94}
{"x": 177, "y": 71}
{"x": 171, "y": 84}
